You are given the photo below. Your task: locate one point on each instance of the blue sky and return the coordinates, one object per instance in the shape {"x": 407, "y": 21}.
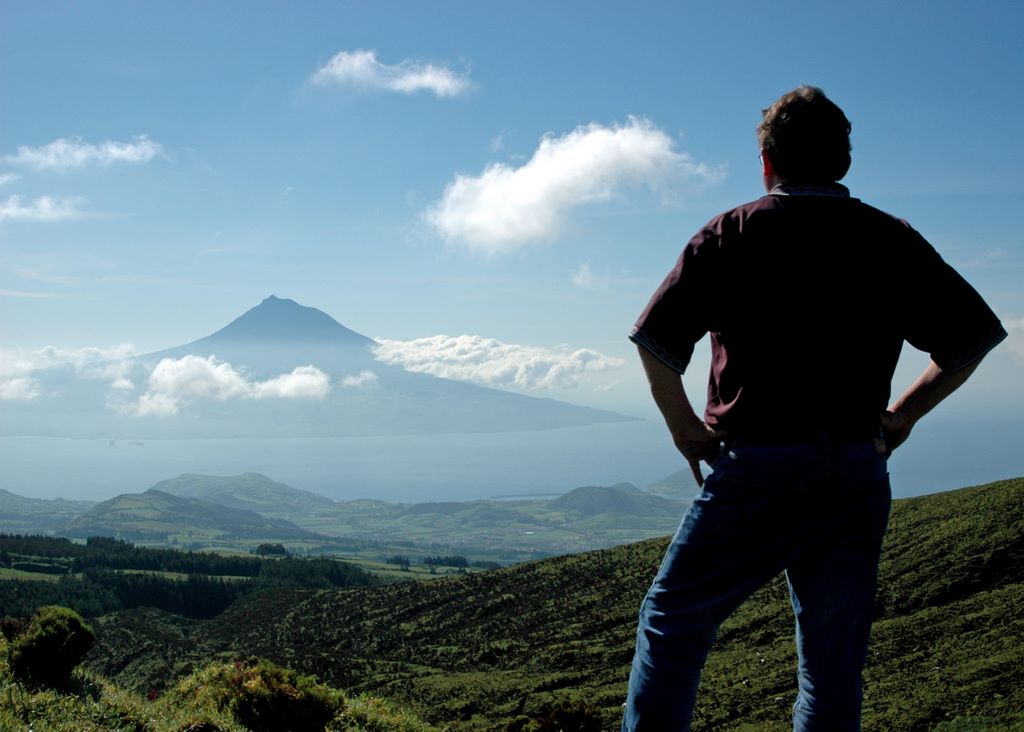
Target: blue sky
{"x": 166, "y": 166}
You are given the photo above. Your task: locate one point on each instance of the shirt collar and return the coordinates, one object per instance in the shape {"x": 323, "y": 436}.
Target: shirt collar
{"x": 834, "y": 190}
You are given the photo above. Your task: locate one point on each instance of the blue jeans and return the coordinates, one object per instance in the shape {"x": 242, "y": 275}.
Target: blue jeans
{"x": 817, "y": 511}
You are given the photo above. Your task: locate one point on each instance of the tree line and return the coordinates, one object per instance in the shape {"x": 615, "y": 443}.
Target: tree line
{"x": 103, "y": 551}
{"x": 95, "y": 580}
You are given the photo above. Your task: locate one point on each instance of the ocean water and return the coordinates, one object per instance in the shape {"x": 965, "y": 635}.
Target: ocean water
{"x": 940, "y": 456}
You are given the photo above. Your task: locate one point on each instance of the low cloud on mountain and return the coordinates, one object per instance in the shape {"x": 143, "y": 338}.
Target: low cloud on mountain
{"x": 490, "y": 362}
{"x": 175, "y": 382}
{"x": 109, "y": 364}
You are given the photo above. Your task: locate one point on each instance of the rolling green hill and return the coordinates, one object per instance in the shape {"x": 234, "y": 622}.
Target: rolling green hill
{"x": 22, "y": 515}
{"x": 195, "y": 511}
{"x": 248, "y": 491}
{"x": 157, "y": 516}
{"x": 480, "y": 650}
{"x": 589, "y": 517}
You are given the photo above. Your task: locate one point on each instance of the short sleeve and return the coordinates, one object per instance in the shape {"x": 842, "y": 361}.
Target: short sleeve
{"x": 675, "y": 318}
{"x": 943, "y": 315}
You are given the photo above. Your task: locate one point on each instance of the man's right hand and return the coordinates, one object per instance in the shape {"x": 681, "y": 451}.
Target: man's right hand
{"x": 698, "y": 441}
{"x": 692, "y": 437}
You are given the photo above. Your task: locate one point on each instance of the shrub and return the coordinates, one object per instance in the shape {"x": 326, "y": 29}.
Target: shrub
{"x": 264, "y": 696}
{"x": 55, "y": 641}
{"x": 272, "y": 550}
{"x": 11, "y": 627}
{"x": 565, "y": 716}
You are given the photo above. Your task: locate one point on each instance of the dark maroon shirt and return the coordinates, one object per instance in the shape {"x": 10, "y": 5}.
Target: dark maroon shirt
{"x": 808, "y": 295}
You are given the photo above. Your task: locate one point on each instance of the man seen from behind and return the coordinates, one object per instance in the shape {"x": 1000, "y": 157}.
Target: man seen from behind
{"x": 808, "y": 295}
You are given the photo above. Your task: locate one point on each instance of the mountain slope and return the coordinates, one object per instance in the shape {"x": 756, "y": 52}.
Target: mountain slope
{"x": 158, "y": 516}
{"x": 479, "y": 650}
{"x": 276, "y": 336}
{"x": 590, "y": 517}
{"x": 285, "y": 320}
{"x": 677, "y": 487}
{"x": 617, "y": 499}
{"x": 201, "y": 399}
{"x": 21, "y": 515}
{"x": 248, "y": 491}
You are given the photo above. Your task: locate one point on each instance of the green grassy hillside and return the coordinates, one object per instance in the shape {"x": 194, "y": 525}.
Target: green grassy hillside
{"x": 480, "y": 650}
{"x": 250, "y": 491}
{"x": 158, "y": 516}
{"x": 21, "y": 515}
{"x": 590, "y": 517}
{"x": 222, "y": 697}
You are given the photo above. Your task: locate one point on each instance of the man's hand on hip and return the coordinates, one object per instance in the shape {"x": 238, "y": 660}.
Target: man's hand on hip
{"x": 895, "y": 431}
{"x": 697, "y": 441}
{"x": 692, "y": 437}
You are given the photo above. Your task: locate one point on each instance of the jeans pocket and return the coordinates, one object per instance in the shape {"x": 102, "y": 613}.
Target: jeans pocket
{"x": 776, "y": 469}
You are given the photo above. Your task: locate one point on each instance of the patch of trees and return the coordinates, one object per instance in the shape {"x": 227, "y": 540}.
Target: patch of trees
{"x": 399, "y": 561}
{"x": 447, "y": 561}
{"x": 99, "y": 591}
{"x": 40, "y": 567}
{"x": 101, "y": 584}
{"x": 458, "y": 561}
{"x": 102, "y": 551}
{"x": 318, "y": 572}
{"x": 265, "y": 550}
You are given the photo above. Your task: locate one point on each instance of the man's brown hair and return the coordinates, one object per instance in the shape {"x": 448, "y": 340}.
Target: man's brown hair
{"x": 806, "y": 136}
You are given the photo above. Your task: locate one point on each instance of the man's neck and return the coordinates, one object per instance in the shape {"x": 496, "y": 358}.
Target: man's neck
{"x": 785, "y": 188}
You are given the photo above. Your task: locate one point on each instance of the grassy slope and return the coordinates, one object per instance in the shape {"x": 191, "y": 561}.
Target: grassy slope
{"x": 154, "y": 515}
{"x": 93, "y": 704}
{"x": 484, "y": 648}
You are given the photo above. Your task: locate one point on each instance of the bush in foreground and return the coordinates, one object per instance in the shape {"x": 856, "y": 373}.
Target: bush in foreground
{"x": 55, "y": 641}
{"x": 568, "y": 715}
{"x": 264, "y": 696}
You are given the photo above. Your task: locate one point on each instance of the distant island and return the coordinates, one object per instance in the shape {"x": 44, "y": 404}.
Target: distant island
{"x": 281, "y": 369}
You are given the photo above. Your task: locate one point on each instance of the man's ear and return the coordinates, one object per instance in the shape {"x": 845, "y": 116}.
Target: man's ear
{"x": 767, "y": 169}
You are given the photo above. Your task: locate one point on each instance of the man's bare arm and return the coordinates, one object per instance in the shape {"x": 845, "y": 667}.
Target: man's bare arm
{"x": 692, "y": 437}
{"x": 930, "y": 388}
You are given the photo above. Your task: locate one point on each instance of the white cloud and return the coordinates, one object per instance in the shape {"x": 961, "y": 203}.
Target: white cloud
{"x": 6, "y": 178}
{"x": 174, "y": 382}
{"x": 492, "y": 363}
{"x": 585, "y": 279}
{"x": 44, "y": 208}
{"x": 192, "y": 376}
{"x": 361, "y": 69}
{"x": 363, "y": 378}
{"x": 111, "y": 364}
{"x": 28, "y": 295}
{"x": 303, "y": 381}
{"x": 498, "y": 142}
{"x": 170, "y": 384}
{"x": 20, "y": 388}
{"x": 94, "y": 362}
{"x": 66, "y": 153}
{"x": 1015, "y": 328}
{"x": 86, "y": 358}
{"x": 158, "y": 404}
{"x": 505, "y": 208}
